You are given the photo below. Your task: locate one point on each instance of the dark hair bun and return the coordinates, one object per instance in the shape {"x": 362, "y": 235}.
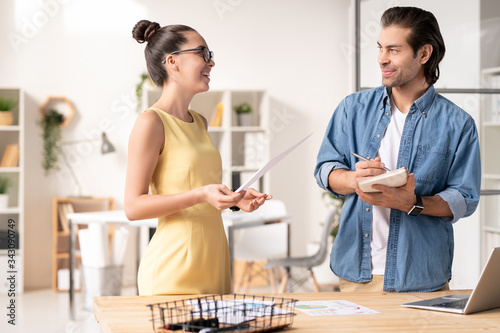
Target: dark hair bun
{"x": 144, "y": 30}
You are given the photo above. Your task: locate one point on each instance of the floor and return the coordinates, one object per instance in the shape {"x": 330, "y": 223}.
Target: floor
{"x": 47, "y": 311}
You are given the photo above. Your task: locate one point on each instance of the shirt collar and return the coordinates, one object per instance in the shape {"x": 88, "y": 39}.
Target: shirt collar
{"x": 422, "y": 104}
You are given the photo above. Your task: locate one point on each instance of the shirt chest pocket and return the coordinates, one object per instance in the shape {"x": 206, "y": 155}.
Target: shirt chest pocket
{"x": 430, "y": 163}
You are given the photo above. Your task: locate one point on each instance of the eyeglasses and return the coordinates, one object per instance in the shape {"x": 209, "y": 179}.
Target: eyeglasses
{"x": 205, "y": 52}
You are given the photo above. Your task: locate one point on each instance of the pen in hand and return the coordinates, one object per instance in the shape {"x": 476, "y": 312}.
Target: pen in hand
{"x": 367, "y": 159}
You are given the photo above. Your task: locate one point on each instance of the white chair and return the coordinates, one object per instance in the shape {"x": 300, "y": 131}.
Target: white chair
{"x": 262, "y": 243}
{"x": 306, "y": 262}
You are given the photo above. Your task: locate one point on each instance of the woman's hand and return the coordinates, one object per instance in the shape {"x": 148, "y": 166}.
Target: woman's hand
{"x": 252, "y": 200}
{"x": 220, "y": 196}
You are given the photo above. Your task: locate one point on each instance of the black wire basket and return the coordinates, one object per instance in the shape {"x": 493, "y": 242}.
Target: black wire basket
{"x": 223, "y": 313}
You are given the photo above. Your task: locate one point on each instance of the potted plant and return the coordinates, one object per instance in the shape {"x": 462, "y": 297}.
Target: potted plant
{"x": 244, "y": 114}
{"x": 51, "y": 125}
{"x": 4, "y": 197}
{"x": 139, "y": 87}
{"x": 337, "y": 203}
{"x": 6, "y": 107}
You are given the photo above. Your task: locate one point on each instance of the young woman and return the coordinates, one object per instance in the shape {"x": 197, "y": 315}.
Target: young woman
{"x": 171, "y": 154}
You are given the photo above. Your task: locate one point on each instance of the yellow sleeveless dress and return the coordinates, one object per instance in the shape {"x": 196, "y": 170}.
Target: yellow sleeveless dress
{"x": 188, "y": 253}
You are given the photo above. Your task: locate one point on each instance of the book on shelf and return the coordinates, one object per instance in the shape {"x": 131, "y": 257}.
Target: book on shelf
{"x": 255, "y": 147}
{"x": 10, "y": 156}
{"x": 64, "y": 208}
{"x": 217, "y": 115}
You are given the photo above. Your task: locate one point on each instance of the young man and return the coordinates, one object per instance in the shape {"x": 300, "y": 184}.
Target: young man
{"x": 401, "y": 239}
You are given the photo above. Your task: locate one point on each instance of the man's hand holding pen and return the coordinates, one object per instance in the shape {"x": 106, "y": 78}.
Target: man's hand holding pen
{"x": 367, "y": 168}
{"x": 401, "y": 198}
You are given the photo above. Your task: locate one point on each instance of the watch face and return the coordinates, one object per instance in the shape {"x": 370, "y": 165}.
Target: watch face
{"x": 415, "y": 211}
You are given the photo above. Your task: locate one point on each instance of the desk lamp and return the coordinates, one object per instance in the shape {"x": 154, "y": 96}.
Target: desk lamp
{"x": 106, "y": 147}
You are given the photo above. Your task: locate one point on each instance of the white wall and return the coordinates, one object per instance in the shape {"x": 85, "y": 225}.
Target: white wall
{"x": 84, "y": 50}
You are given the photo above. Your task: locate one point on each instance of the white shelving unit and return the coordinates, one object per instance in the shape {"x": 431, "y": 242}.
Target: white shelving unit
{"x": 244, "y": 149}
{"x": 12, "y": 217}
{"x": 490, "y": 160}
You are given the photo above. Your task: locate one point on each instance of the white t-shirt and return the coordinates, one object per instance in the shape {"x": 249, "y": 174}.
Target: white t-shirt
{"x": 388, "y": 152}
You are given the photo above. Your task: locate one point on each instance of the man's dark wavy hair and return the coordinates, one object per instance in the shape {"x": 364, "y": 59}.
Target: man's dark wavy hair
{"x": 424, "y": 30}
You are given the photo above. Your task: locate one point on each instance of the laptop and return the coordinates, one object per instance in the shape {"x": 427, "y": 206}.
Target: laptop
{"x": 485, "y": 296}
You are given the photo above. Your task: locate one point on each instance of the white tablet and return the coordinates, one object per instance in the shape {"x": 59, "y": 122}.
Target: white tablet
{"x": 395, "y": 178}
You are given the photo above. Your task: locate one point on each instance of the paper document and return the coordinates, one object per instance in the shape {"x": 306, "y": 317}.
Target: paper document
{"x": 269, "y": 165}
{"x": 329, "y": 308}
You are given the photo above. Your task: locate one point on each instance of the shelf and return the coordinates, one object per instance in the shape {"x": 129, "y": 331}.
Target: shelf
{"x": 65, "y": 255}
{"x": 243, "y": 149}
{"x": 495, "y": 230}
{"x": 10, "y": 128}
{"x": 247, "y": 129}
{"x": 491, "y": 71}
{"x": 60, "y": 238}
{"x": 10, "y": 210}
{"x": 491, "y": 124}
{"x": 14, "y": 135}
{"x": 62, "y": 105}
{"x": 490, "y": 176}
{"x": 215, "y": 130}
{"x": 489, "y": 130}
{"x": 10, "y": 170}
{"x": 239, "y": 168}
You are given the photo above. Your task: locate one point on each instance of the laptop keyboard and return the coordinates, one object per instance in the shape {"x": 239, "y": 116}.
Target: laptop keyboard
{"x": 458, "y": 304}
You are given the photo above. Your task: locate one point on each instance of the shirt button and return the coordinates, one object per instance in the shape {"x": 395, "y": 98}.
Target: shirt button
{"x": 387, "y": 113}
{"x": 367, "y": 209}
{"x": 423, "y": 112}
{"x": 366, "y": 235}
{"x": 378, "y": 136}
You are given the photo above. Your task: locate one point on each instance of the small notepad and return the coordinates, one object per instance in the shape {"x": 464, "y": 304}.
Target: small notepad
{"x": 395, "y": 178}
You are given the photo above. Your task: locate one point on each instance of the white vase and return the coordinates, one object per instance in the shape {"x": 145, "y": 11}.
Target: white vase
{"x": 245, "y": 119}
{"x": 4, "y": 201}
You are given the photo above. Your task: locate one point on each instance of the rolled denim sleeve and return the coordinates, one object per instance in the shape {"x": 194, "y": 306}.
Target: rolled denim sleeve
{"x": 464, "y": 178}
{"x": 456, "y": 202}
{"x": 331, "y": 155}
{"x": 324, "y": 172}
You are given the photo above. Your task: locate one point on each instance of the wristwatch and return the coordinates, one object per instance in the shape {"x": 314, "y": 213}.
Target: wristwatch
{"x": 417, "y": 208}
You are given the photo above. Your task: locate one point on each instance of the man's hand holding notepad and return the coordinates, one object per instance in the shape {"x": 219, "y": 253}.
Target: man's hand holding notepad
{"x": 395, "y": 178}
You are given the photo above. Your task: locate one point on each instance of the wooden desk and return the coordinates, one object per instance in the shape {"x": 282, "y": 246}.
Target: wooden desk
{"x": 130, "y": 314}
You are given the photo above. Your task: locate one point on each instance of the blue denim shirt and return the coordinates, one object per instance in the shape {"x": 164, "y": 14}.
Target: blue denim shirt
{"x": 440, "y": 146}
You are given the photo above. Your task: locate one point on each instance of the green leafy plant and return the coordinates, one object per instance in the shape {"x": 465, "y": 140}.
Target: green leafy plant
{"x": 51, "y": 125}
{"x": 337, "y": 203}
{"x": 243, "y": 108}
{"x": 4, "y": 184}
{"x": 7, "y": 104}
{"x": 138, "y": 91}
